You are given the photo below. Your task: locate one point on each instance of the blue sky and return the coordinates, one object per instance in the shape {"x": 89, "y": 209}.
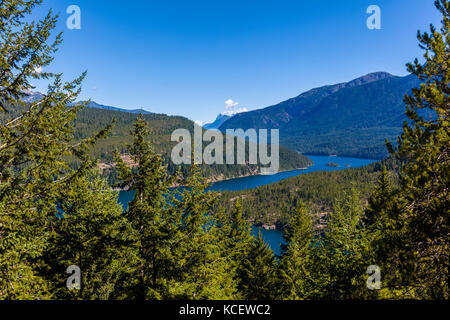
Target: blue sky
{"x": 189, "y": 57}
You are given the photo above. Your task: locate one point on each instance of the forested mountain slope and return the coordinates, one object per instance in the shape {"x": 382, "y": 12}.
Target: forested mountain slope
{"x": 348, "y": 119}
{"x": 91, "y": 120}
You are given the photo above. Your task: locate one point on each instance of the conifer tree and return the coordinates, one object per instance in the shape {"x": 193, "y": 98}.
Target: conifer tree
{"x": 156, "y": 227}
{"x": 234, "y": 241}
{"x": 203, "y": 271}
{"x": 379, "y": 201}
{"x": 424, "y": 178}
{"x": 252, "y": 262}
{"x": 338, "y": 268}
{"x": 92, "y": 233}
{"x": 177, "y": 242}
{"x": 25, "y": 49}
{"x": 35, "y": 147}
{"x": 384, "y": 231}
{"x": 296, "y": 257}
{"x": 258, "y": 273}
{"x": 239, "y": 238}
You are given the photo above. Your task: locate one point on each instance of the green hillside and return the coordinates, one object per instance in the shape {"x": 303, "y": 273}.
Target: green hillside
{"x": 91, "y": 120}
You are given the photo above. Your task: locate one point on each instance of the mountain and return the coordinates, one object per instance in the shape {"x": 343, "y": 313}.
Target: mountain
{"x": 347, "y": 119}
{"x": 221, "y": 118}
{"x": 94, "y": 104}
{"x": 33, "y": 96}
{"x": 91, "y": 120}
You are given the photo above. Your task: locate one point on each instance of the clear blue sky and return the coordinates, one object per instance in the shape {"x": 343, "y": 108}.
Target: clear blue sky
{"x": 189, "y": 57}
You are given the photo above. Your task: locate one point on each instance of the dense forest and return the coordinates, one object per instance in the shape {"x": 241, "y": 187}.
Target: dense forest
{"x": 273, "y": 204}
{"x": 63, "y": 234}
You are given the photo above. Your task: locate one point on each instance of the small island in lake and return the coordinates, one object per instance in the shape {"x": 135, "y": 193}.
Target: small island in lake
{"x": 332, "y": 164}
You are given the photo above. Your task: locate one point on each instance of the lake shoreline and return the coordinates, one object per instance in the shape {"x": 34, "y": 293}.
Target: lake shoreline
{"x": 255, "y": 175}
{"x": 213, "y": 180}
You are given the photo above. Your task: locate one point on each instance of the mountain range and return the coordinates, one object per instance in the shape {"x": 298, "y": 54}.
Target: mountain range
{"x": 32, "y": 96}
{"x": 94, "y": 104}
{"x": 91, "y": 120}
{"x": 348, "y": 119}
{"x": 95, "y": 117}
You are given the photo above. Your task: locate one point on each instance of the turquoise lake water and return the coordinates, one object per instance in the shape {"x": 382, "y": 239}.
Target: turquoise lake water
{"x": 273, "y": 237}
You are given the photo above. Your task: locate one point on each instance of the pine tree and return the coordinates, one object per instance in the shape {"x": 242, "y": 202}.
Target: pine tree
{"x": 155, "y": 225}
{"x": 179, "y": 255}
{"x": 92, "y": 233}
{"x": 338, "y": 268}
{"x": 258, "y": 274}
{"x": 252, "y": 263}
{"x": 36, "y": 147}
{"x": 24, "y": 49}
{"x": 203, "y": 271}
{"x": 295, "y": 260}
{"x": 385, "y": 232}
{"x": 424, "y": 178}
{"x": 379, "y": 201}
{"x": 239, "y": 237}
{"x": 234, "y": 241}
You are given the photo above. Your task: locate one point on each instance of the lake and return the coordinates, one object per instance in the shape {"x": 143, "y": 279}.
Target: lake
{"x": 260, "y": 180}
{"x": 273, "y": 237}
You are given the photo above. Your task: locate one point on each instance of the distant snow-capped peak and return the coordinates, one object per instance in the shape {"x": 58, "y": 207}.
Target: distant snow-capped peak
{"x": 233, "y": 112}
